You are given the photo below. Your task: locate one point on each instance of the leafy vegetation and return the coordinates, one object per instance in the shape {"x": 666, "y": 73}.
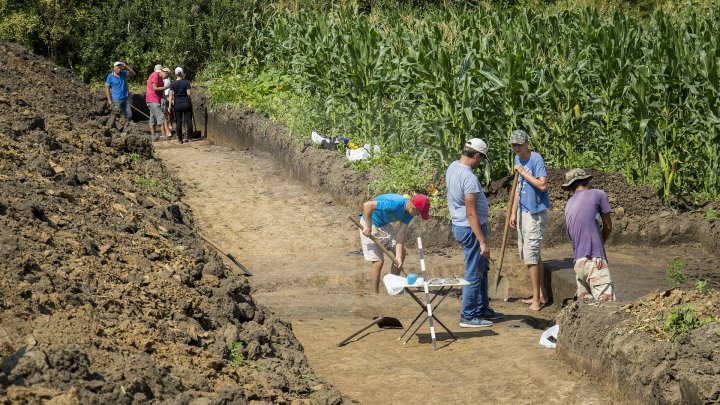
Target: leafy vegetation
{"x": 235, "y": 355}
{"x": 712, "y": 214}
{"x": 683, "y": 320}
{"x": 632, "y": 89}
{"x": 675, "y": 275}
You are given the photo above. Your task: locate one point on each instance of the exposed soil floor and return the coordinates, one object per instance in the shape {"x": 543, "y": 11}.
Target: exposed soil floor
{"x": 297, "y": 243}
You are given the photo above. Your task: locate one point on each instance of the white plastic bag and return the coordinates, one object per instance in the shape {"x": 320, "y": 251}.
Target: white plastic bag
{"x": 549, "y": 336}
{"x": 317, "y": 138}
{"x": 394, "y": 284}
{"x": 361, "y": 153}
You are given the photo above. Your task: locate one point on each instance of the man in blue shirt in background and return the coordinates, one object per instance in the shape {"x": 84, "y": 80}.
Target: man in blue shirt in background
{"x": 529, "y": 212}
{"x": 116, "y": 88}
{"x": 383, "y": 211}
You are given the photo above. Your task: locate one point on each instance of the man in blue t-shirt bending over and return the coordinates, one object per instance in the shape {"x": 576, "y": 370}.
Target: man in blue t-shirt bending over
{"x": 529, "y": 212}
{"x": 384, "y": 210}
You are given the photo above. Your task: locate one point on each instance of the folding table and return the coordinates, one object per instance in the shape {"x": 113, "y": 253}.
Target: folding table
{"x": 437, "y": 287}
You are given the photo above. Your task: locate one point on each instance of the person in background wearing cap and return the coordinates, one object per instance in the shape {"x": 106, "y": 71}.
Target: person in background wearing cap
{"x": 469, "y": 212}
{"x": 529, "y": 213}
{"x": 116, "y": 88}
{"x": 588, "y": 240}
{"x": 377, "y": 220}
{"x": 181, "y": 103}
{"x": 153, "y": 95}
{"x": 166, "y": 127}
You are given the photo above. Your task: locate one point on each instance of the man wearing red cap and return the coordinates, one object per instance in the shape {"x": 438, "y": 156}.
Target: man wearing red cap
{"x": 383, "y": 210}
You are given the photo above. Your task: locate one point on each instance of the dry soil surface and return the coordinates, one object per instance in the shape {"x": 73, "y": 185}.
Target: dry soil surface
{"x": 297, "y": 242}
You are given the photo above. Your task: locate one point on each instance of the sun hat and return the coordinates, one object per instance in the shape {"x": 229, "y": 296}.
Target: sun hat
{"x": 179, "y": 71}
{"x": 518, "y": 136}
{"x": 478, "y": 145}
{"x": 158, "y": 67}
{"x": 574, "y": 175}
{"x": 421, "y": 202}
{"x": 166, "y": 70}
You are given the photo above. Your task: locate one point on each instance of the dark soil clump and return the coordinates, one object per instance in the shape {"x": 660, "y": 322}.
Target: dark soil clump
{"x": 105, "y": 297}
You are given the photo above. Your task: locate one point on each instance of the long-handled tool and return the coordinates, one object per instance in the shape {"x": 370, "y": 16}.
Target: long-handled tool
{"x": 140, "y": 111}
{"x": 499, "y": 287}
{"x": 380, "y": 245}
{"x": 227, "y": 254}
{"x": 381, "y": 322}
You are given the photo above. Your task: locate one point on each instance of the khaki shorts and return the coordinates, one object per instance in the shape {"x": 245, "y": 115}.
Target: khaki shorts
{"x": 384, "y": 234}
{"x": 531, "y": 229}
{"x": 593, "y": 279}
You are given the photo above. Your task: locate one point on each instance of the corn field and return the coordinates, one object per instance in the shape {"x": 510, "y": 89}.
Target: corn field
{"x": 640, "y": 96}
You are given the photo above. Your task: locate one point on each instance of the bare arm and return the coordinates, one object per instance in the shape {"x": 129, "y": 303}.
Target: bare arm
{"x": 400, "y": 243}
{"x": 513, "y": 210}
{"x": 474, "y": 220}
{"x": 156, "y": 88}
{"x": 606, "y": 226}
{"x": 368, "y": 208}
{"x": 130, "y": 70}
{"x": 107, "y": 93}
{"x": 539, "y": 183}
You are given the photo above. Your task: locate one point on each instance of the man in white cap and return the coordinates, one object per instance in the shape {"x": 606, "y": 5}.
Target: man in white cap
{"x": 153, "y": 97}
{"x": 588, "y": 240}
{"x": 529, "y": 213}
{"x": 469, "y": 211}
{"x": 116, "y": 88}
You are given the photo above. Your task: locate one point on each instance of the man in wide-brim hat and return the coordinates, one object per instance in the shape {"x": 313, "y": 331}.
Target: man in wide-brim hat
{"x": 587, "y": 236}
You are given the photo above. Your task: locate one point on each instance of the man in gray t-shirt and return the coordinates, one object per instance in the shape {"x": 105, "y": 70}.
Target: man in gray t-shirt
{"x": 582, "y": 212}
{"x": 469, "y": 211}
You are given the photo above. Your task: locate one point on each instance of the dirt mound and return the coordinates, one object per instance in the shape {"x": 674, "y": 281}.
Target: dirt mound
{"x": 107, "y": 295}
{"x": 647, "y": 351}
{"x": 632, "y": 200}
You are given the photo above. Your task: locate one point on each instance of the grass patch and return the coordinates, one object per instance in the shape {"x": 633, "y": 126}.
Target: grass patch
{"x": 165, "y": 189}
{"x": 683, "y": 320}
{"x": 675, "y": 275}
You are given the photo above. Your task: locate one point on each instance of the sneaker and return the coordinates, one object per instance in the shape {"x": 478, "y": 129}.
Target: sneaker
{"x": 488, "y": 313}
{"x": 474, "y": 323}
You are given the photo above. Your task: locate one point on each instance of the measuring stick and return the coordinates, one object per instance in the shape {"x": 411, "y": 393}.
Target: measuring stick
{"x": 427, "y": 292}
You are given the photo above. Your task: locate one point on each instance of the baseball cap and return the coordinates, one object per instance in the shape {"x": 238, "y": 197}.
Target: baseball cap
{"x": 117, "y": 63}
{"x": 477, "y": 144}
{"x": 421, "y": 202}
{"x": 158, "y": 67}
{"x": 518, "y": 136}
{"x": 574, "y": 175}
{"x": 179, "y": 71}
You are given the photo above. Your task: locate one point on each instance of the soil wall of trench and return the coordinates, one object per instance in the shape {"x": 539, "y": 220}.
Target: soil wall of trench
{"x": 603, "y": 340}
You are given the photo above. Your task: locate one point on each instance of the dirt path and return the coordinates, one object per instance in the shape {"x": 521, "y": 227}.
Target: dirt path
{"x": 296, "y": 243}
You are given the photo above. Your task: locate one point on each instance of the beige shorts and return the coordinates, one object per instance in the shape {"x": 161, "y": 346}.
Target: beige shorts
{"x": 593, "y": 279}
{"x": 384, "y": 234}
{"x": 531, "y": 229}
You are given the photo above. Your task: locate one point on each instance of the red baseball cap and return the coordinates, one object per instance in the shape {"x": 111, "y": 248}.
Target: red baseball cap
{"x": 421, "y": 202}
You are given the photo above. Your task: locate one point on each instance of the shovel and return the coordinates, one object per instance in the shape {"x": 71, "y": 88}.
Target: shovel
{"x": 380, "y": 245}
{"x": 227, "y": 254}
{"x": 381, "y": 322}
{"x": 499, "y": 288}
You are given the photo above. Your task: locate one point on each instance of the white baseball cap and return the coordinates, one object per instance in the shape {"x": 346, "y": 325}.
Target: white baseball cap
{"x": 478, "y": 145}
{"x": 179, "y": 71}
{"x": 118, "y": 64}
